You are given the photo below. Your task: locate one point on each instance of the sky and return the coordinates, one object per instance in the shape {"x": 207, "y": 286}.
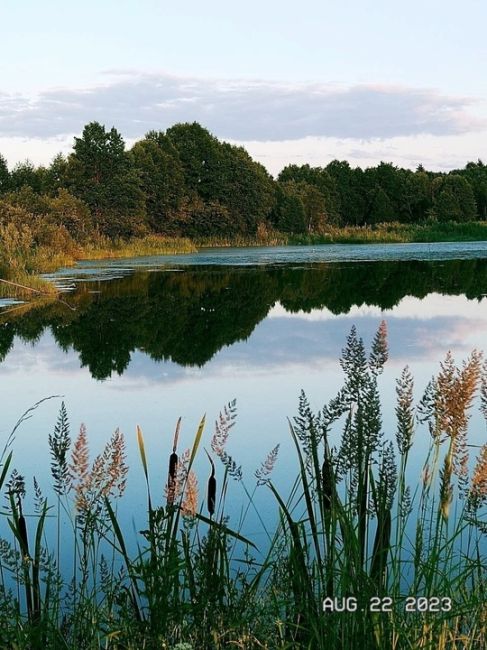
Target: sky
{"x": 293, "y": 82}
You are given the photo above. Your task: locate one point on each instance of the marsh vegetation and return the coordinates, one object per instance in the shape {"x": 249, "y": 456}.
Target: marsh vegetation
{"x": 354, "y": 525}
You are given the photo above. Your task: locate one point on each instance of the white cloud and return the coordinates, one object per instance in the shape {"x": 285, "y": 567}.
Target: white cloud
{"x": 432, "y": 306}
{"x": 239, "y": 110}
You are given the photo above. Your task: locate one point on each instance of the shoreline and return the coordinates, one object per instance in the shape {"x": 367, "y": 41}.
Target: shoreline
{"x": 46, "y": 261}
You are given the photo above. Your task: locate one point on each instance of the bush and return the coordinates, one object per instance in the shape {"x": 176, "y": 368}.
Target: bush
{"x": 15, "y": 248}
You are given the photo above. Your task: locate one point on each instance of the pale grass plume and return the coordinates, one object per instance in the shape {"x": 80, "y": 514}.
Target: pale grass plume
{"x": 263, "y": 473}
{"x": 483, "y": 390}
{"x": 189, "y": 505}
{"x": 478, "y": 487}
{"x": 107, "y": 476}
{"x": 79, "y": 467}
{"x": 405, "y": 411}
{"x": 380, "y": 351}
{"x": 455, "y": 391}
{"x": 223, "y": 424}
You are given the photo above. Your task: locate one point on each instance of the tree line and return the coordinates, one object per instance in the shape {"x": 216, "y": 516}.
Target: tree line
{"x": 184, "y": 181}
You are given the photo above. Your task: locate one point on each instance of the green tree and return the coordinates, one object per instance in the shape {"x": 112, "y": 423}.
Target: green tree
{"x": 4, "y": 176}
{"x": 199, "y": 153}
{"x": 381, "y": 208}
{"x": 24, "y": 173}
{"x": 382, "y": 193}
{"x": 453, "y": 199}
{"x": 348, "y": 187}
{"x": 162, "y": 180}
{"x": 476, "y": 174}
{"x": 246, "y": 188}
{"x": 56, "y": 175}
{"x": 322, "y": 181}
{"x": 101, "y": 173}
{"x": 221, "y": 174}
{"x": 315, "y": 208}
{"x": 72, "y": 213}
{"x": 289, "y": 214}
{"x": 416, "y": 195}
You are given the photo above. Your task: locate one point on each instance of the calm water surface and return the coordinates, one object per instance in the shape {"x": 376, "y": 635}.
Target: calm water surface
{"x": 144, "y": 341}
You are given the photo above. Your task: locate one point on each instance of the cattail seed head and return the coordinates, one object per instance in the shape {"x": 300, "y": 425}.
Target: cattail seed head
{"x": 211, "y": 494}
{"x": 23, "y": 535}
{"x": 327, "y": 483}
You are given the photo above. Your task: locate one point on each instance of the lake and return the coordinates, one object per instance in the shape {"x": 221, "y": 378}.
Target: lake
{"x": 147, "y": 340}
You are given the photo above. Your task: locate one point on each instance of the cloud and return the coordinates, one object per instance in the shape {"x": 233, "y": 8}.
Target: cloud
{"x": 239, "y": 110}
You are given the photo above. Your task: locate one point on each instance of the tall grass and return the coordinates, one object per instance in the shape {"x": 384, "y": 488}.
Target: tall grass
{"x": 395, "y": 233}
{"x": 357, "y": 557}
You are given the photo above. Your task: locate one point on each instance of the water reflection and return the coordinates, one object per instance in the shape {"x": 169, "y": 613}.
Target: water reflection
{"x": 187, "y": 317}
{"x": 185, "y": 342}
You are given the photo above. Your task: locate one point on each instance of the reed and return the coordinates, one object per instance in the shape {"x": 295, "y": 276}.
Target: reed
{"x": 352, "y": 530}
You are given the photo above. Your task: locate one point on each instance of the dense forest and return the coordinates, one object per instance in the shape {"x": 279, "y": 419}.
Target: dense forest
{"x": 185, "y": 182}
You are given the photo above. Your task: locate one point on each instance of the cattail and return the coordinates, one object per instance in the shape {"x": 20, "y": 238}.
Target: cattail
{"x": 211, "y": 487}
{"x": 23, "y": 534}
{"x": 327, "y": 485}
{"x": 24, "y": 543}
{"x": 173, "y": 465}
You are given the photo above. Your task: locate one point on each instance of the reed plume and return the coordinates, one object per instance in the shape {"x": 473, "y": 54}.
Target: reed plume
{"x": 189, "y": 505}
{"x": 483, "y": 390}
{"x": 79, "y": 467}
{"x": 379, "y": 352}
{"x": 262, "y": 474}
{"x": 107, "y": 476}
{"x": 405, "y": 411}
{"x": 225, "y": 421}
{"x": 478, "y": 486}
{"x": 59, "y": 443}
{"x": 455, "y": 389}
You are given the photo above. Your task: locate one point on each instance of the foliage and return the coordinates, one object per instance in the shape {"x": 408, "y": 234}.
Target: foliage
{"x": 352, "y": 530}
{"x": 101, "y": 173}
{"x": 185, "y": 182}
{"x": 162, "y": 181}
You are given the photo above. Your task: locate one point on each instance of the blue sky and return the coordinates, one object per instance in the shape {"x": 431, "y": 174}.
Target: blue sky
{"x": 293, "y": 82}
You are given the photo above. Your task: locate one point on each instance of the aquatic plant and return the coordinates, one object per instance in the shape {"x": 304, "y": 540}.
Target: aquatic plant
{"x": 358, "y": 558}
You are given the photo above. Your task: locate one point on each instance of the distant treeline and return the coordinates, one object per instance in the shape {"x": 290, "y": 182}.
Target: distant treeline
{"x": 184, "y": 181}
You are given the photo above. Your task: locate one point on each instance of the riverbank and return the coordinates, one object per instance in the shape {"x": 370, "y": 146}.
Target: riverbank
{"x": 381, "y": 233}
{"x": 23, "y": 265}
